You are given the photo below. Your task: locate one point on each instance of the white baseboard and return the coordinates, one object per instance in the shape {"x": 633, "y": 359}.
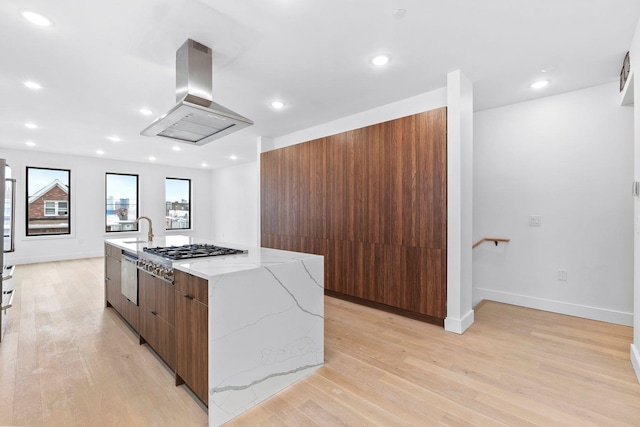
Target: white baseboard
{"x": 54, "y": 257}
{"x": 459, "y": 325}
{"x": 635, "y": 359}
{"x": 587, "y": 312}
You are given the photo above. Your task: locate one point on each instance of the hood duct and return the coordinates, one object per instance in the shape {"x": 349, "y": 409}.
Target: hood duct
{"x": 195, "y": 119}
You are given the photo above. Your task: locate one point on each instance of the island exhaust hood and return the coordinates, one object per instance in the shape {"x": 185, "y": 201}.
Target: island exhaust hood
{"x": 195, "y": 119}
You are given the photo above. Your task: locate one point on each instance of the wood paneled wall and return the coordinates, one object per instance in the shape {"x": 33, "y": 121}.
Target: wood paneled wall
{"x": 373, "y": 201}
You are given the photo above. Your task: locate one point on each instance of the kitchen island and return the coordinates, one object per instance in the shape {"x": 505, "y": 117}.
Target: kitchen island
{"x": 261, "y": 314}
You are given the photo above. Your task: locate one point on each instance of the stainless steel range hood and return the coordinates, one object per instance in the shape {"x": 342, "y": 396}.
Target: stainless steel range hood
{"x": 195, "y": 119}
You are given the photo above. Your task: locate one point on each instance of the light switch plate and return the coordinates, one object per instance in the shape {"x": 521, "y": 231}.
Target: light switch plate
{"x": 562, "y": 275}
{"x": 535, "y": 221}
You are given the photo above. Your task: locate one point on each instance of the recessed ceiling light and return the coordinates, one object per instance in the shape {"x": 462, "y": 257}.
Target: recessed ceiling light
{"x": 99, "y": 152}
{"x": 32, "y": 85}
{"x": 539, "y": 84}
{"x": 380, "y": 60}
{"x": 233, "y": 157}
{"x": 36, "y": 18}
{"x": 277, "y": 104}
{"x": 176, "y": 148}
{"x": 114, "y": 138}
{"x": 146, "y": 112}
{"x": 203, "y": 164}
{"x": 31, "y": 125}
{"x": 152, "y": 158}
{"x": 30, "y": 143}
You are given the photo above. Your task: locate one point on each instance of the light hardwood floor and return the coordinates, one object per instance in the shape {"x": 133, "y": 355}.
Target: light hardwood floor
{"x": 65, "y": 360}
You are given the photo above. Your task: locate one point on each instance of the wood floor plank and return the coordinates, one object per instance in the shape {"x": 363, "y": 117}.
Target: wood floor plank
{"x": 66, "y": 360}
{"x": 374, "y": 412}
{"x": 376, "y": 392}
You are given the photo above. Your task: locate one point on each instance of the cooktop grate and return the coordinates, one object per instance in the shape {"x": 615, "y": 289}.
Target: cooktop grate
{"x": 197, "y": 250}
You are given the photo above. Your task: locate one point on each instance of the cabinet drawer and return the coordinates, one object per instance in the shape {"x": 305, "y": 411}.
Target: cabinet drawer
{"x": 192, "y": 286}
{"x": 158, "y": 296}
{"x": 160, "y": 335}
{"x": 129, "y": 312}
{"x": 192, "y": 328}
{"x": 110, "y": 250}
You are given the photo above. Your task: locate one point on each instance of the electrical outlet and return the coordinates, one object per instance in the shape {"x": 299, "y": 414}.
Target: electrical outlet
{"x": 535, "y": 221}
{"x": 562, "y": 275}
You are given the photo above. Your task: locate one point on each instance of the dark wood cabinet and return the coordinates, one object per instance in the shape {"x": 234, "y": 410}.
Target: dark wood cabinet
{"x": 192, "y": 328}
{"x": 129, "y": 312}
{"x": 113, "y": 293}
{"x": 172, "y": 318}
{"x": 373, "y": 201}
{"x": 157, "y": 316}
{"x": 112, "y": 276}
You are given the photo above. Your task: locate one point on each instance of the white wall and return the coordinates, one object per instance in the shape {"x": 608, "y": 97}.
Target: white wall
{"x": 569, "y": 159}
{"x": 634, "y": 55}
{"x": 460, "y": 313}
{"x": 88, "y": 203}
{"x": 234, "y": 210}
{"x": 406, "y": 107}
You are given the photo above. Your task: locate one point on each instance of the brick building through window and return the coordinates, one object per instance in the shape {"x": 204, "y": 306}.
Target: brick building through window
{"x": 48, "y": 210}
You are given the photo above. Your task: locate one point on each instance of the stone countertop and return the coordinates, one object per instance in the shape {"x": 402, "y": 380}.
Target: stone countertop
{"x": 211, "y": 267}
{"x": 136, "y": 244}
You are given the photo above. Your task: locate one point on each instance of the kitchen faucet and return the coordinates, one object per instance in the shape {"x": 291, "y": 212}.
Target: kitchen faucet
{"x": 150, "y": 236}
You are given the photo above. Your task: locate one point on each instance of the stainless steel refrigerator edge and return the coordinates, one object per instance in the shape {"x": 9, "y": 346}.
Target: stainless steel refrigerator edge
{"x": 7, "y": 207}
{"x": 3, "y": 165}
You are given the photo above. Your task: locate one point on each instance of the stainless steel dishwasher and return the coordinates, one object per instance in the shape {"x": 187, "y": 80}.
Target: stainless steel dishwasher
{"x": 129, "y": 277}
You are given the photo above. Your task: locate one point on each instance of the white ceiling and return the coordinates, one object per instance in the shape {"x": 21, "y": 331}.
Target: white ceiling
{"x": 102, "y": 61}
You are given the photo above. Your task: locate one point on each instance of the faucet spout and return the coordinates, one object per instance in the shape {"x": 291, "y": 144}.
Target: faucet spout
{"x": 150, "y": 235}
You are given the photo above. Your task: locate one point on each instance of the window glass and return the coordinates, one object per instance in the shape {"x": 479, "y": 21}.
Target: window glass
{"x": 178, "y": 203}
{"x": 62, "y": 207}
{"x": 48, "y": 196}
{"x": 121, "y": 192}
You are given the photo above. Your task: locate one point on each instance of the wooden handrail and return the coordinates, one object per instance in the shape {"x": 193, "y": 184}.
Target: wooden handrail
{"x": 490, "y": 239}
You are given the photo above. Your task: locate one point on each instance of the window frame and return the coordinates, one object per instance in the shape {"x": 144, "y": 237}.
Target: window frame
{"x": 66, "y": 216}
{"x": 56, "y": 208}
{"x": 106, "y": 200}
{"x": 167, "y": 201}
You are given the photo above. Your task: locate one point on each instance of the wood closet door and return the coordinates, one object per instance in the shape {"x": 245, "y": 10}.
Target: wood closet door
{"x": 373, "y": 201}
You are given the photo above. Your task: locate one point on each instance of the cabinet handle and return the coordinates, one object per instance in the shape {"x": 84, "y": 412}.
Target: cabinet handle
{"x": 154, "y": 313}
{"x": 188, "y": 296}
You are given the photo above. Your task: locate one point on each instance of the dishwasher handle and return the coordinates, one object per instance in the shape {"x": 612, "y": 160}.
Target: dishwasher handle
{"x": 126, "y": 256}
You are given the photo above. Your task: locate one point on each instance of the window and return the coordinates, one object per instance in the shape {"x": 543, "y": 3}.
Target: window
{"x": 178, "y": 203}
{"x": 55, "y": 208}
{"x": 48, "y": 199}
{"x": 121, "y": 191}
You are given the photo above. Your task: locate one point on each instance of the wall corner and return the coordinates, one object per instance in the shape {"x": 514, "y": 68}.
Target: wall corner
{"x": 634, "y": 54}
{"x": 459, "y": 201}
{"x": 263, "y": 144}
{"x": 635, "y": 360}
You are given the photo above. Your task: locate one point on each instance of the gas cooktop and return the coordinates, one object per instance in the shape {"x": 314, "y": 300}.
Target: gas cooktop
{"x": 196, "y": 250}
